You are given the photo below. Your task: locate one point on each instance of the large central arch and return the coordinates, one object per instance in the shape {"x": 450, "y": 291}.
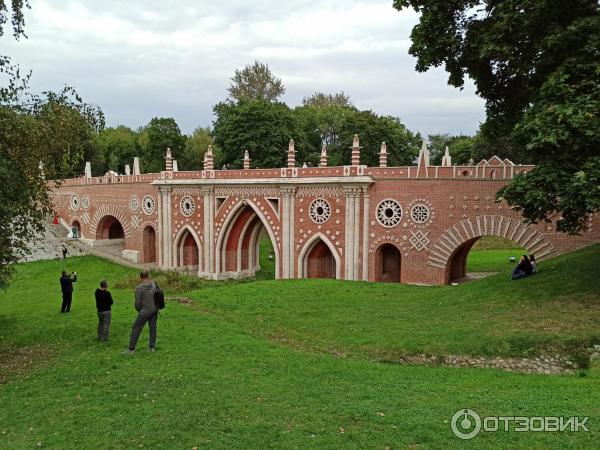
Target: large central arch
{"x": 452, "y": 248}
{"x": 237, "y": 249}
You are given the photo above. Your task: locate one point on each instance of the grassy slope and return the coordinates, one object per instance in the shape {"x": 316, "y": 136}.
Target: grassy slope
{"x": 216, "y": 383}
{"x": 557, "y": 308}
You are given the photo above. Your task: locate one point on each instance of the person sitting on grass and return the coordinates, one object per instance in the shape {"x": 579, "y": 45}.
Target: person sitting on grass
{"x": 523, "y": 269}
{"x": 104, "y": 302}
{"x": 533, "y": 264}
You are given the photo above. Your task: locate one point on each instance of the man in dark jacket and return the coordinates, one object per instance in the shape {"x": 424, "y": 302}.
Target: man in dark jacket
{"x": 104, "y": 302}
{"x": 66, "y": 286}
{"x": 147, "y": 312}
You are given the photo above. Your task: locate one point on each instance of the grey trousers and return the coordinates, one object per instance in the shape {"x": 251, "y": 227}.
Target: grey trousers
{"x": 139, "y": 323}
{"x": 103, "y": 325}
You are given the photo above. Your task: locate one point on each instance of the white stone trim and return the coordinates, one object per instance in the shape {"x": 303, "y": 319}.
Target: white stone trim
{"x": 260, "y": 181}
{"x": 178, "y": 244}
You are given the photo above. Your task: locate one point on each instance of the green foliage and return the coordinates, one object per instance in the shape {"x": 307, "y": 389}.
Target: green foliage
{"x": 17, "y": 19}
{"x": 155, "y": 138}
{"x": 41, "y": 138}
{"x": 536, "y": 65}
{"x": 461, "y": 148}
{"x": 196, "y": 145}
{"x": 263, "y": 128}
{"x": 118, "y": 145}
{"x": 255, "y": 82}
{"x": 289, "y": 364}
{"x": 322, "y": 100}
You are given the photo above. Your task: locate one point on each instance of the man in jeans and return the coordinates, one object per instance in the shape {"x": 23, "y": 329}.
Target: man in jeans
{"x": 66, "y": 286}
{"x": 147, "y": 312}
{"x": 104, "y": 303}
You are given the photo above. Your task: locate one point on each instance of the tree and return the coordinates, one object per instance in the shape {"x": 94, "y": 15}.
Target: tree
{"x": 259, "y": 126}
{"x": 155, "y": 138}
{"x": 255, "y": 81}
{"x": 402, "y": 145}
{"x": 535, "y": 64}
{"x": 196, "y": 145}
{"x": 320, "y": 99}
{"x": 118, "y": 146}
{"x": 461, "y": 148}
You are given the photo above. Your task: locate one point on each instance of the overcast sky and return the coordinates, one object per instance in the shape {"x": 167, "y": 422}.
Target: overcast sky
{"x": 139, "y": 59}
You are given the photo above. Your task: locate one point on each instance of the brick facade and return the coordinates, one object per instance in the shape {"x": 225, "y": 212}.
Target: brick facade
{"x": 412, "y": 224}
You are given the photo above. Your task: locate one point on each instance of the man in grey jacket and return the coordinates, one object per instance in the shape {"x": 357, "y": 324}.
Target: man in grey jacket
{"x": 147, "y": 312}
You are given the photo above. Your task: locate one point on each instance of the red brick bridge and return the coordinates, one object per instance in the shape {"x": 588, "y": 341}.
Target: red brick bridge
{"x": 413, "y": 224}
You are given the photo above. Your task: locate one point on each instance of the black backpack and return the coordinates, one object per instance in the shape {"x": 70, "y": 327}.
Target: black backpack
{"x": 159, "y": 297}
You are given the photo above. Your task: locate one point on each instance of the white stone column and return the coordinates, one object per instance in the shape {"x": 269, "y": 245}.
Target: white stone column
{"x": 349, "y": 231}
{"x": 287, "y": 224}
{"x": 160, "y": 228}
{"x": 165, "y": 227}
{"x": 208, "y": 247}
{"x": 365, "y": 236}
{"x": 356, "y": 244}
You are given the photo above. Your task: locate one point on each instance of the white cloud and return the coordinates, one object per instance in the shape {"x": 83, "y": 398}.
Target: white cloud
{"x": 139, "y": 59}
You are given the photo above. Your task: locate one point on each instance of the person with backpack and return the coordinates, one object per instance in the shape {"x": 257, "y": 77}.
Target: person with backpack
{"x": 148, "y": 297}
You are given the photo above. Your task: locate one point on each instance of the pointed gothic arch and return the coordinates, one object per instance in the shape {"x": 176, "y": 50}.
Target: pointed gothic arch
{"x": 187, "y": 248}
{"x": 309, "y": 246}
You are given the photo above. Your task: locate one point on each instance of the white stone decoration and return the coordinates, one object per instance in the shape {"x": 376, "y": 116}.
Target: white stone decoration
{"x": 419, "y": 240}
{"x": 419, "y": 213}
{"x": 75, "y": 202}
{"x": 86, "y": 217}
{"x": 187, "y": 206}
{"x": 148, "y": 205}
{"x": 85, "y": 202}
{"x": 134, "y": 203}
{"x": 319, "y": 210}
{"x": 389, "y": 213}
{"x": 135, "y": 222}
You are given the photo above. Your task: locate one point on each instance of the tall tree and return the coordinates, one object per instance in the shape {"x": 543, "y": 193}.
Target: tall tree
{"x": 255, "y": 81}
{"x": 402, "y": 145}
{"x": 535, "y": 62}
{"x": 461, "y": 148}
{"x": 320, "y": 99}
{"x": 195, "y": 147}
{"x": 259, "y": 126}
{"x": 154, "y": 139}
{"x": 119, "y": 145}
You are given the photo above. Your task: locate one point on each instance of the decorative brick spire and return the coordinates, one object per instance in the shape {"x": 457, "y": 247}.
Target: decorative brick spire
{"x": 323, "y": 161}
{"x": 423, "y": 162}
{"x": 168, "y": 161}
{"x": 446, "y": 160}
{"x": 208, "y": 159}
{"x": 383, "y": 155}
{"x": 291, "y": 160}
{"x": 246, "y": 160}
{"x": 355, "y": 151}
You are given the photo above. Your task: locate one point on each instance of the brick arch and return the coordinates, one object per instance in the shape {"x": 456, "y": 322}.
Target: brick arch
{"x": 308, "y": 246}
{"x": 230, "y": 221}
{"x": 177, "y": 243}
{"x": 110, "y": 210}
{"x": 381, "y": 263}
{"x": 467, "y": 231}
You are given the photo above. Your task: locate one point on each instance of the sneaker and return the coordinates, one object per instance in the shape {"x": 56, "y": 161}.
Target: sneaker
{"x": 128, "y": 352}
{"x": 151, "y": 349}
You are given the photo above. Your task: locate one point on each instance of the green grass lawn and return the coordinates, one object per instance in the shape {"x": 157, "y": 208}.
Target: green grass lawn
{"x": 261, "y": 364}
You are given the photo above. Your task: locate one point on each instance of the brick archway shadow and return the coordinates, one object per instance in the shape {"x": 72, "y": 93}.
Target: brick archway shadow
{"x": 231, "y": 220}
{"x": 457, "y": 240}
{"x": 178, "y": 243}
{"x": 308, "y": 246}
{"x": 110, "y": 210}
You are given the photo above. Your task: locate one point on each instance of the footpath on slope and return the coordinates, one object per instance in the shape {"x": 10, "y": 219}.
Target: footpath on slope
{"x": 49, "y": 245}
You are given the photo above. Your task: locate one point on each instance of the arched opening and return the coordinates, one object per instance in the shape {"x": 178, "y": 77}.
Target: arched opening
{"x": 387, "y": 263}
{"x": 482, "y": 256}
{"x": 320, "y": 262}
{"x": 188, "y": 254}
{"x": 76, "y": 229}
{"x": 149, "y": 237}
{"x": 109, "y": 227}
{"x": 245, "y": 247}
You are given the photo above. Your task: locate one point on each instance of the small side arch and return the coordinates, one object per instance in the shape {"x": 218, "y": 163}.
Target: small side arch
{"x": 179, "y": 242}
{"x": 309, "y": 246}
